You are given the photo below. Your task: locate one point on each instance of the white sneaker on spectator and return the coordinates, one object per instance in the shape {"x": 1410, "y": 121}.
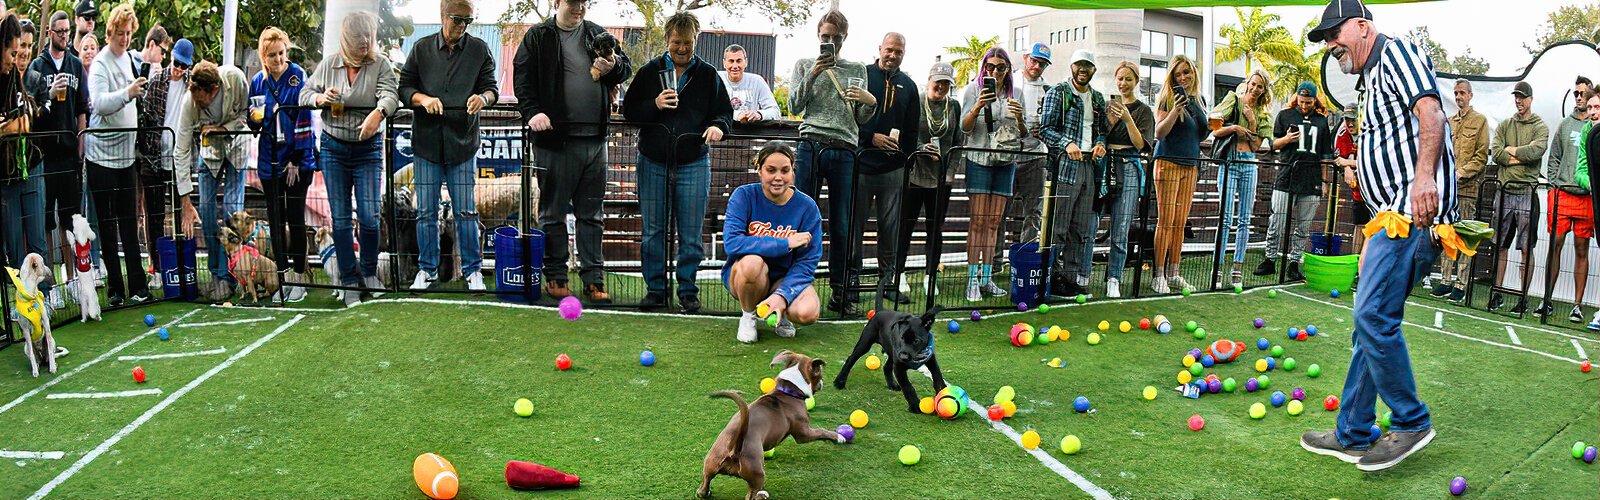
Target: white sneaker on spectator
{"x": 1083, "y": 281}
{"x": 373, "y": 283}
{"x": 352, "y": 298}
{"x": 296, "y": 293}
{"x": 57, "y": 302}
{"x": 1159, "y": 285}
{"x": 993, "y": 290}
{"x": 475, "y": 282}
{"x": 1178, "y": 284}
{"x": 1594, "y": 324}
{"x": 423, "y": 281}
{"x": 1113, "y": 288}
{"x": 747, "y": 328}
{"x": 785, "y": 328}
{"x": 974, "y": 292}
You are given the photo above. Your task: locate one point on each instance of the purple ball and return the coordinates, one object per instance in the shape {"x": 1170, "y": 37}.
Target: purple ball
{"x": 847, "y": 432}
{"x": 1196, "y": 353}
{"x": 1214, "y": 386}
{"x": 1458, "y": 486}
{"x": 976, "y": 316}
{"x": 1588, "y": 455}
{"x": 570, "y": 308}
{"x": 1298, "y": 394}
{"x": 1251, "y": 385}
{"x": 1260, "y": 323}
{"x": 1022, "y": 306}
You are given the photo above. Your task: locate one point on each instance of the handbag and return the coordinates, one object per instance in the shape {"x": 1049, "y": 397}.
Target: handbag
{"x": 1222, "y": 147}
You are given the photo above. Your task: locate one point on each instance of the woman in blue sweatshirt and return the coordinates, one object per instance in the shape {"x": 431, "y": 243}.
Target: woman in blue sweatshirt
{"x": 771, "y": 238}
{"x": 286, "y": 153}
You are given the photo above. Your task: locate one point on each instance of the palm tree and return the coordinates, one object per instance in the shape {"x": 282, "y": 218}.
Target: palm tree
{"x": 967, "y": 58}
{"x": 1258, "y": 39}
{"x": 1289, "y": 72}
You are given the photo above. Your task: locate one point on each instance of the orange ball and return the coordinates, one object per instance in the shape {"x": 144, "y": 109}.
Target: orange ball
{"x": 435, "y": 476}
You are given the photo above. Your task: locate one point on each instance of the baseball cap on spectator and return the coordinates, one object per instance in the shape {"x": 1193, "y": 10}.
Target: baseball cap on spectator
{"x": 1523, "y": 90}
{"x": 1041, "y": 52}
{"x": 942, "y": 72}
{"x": 1307, "y": 89}
{"x": 183, "y": 52}
{"x": 1337, "y": 12}
{"x": 1083, "y": 55}
{"x": 86, "y": 8}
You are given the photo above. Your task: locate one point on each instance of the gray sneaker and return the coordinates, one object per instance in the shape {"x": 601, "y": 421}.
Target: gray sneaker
{"x": 785, "y": 328}
{"x": 352, "y": 298}
{"x": 1327, "y": 443}
{"x": 373, "y": 283}
{"x": 1394, "y": 447}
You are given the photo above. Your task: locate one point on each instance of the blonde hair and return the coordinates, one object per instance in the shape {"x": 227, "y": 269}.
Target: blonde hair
{"x": 123, "y": 14}
{"x": 270, "y": 36}
{"x": 445, "y": 5}
{"x": 1166, "y": 98}
{"x": 1260, "y": 103}
{"x": 358, "y": 26}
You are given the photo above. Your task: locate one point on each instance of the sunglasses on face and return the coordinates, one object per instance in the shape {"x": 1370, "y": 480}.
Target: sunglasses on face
{"x": 996, "y": 67}
{"x": 181, "y": 66}
{"x": 462, "y": 20}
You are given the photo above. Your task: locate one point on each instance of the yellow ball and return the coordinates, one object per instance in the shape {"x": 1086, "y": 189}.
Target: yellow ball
{"x": 1125, "y": 326}
{"x": 1070, "y": 445}
{"x": 1094, "y": 338}
{"x": 1054, "y": 332}
{"x": 926, "y": 406}
{"x": 1258, "y": 410}
{"x": 1065, "y": 334}
{"x": 1150, "y": 392}
{"x": 1026, "y": 337}
{"x": 910, "y": 455}
{"x": 1010, "y": 408}
{"x": 523, "y": 407}
{"x": 1105, "y": 325}
{"x": 1185, "y": 377}
{"x": 873, "y": 362}
{"x": 1006, "y": 393}
{"x": 1295, "y": 407}
{"x": 811, "y": 403}
{"x": 1030, "y": 440}
{"x": 768, "y": 384}
{"x": 858, "y": 419}
{"x": 770, "y": 453}
{"x": 1188, "y": 359}
{"x": 1261, "y": 365}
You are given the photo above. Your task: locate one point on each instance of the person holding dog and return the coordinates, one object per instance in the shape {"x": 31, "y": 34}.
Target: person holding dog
{"x": 219, "y": 99}
{"x": 773, "y": 246}
{"x": 694, "y": 102}
{"x": 286, "y": 151}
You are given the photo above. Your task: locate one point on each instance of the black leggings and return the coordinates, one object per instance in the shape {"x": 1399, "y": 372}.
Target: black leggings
{"x": 915, "y": 202}
{"x": 117, "y": 205}
{"x": 286, "y": 216}
{"x": 155, "y": 188}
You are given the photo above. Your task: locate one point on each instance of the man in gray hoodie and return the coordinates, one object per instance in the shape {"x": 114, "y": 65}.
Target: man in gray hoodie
{"x": 1570, "y": 209}
{"x": 1518, "y": 149}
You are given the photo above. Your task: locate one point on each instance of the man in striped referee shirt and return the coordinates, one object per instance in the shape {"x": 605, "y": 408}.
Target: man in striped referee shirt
{"x": 1407, "y": 177}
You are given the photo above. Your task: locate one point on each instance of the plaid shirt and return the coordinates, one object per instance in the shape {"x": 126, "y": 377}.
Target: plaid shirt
{"x": 152, "y": 117}
{"x": 1062, "y": 125}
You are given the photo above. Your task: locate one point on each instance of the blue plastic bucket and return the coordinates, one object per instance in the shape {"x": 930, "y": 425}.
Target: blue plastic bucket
{"x": 1328, "y": 244}
{"x": 178, "y": 277}
{"x": 518, "y": 263}
{"x": 1028, "y": 272}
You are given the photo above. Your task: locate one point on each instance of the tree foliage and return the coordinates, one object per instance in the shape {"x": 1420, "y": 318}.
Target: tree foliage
{"x": 1259, "y": 40}
{"x": 1571, "y": 22}
{"x": 966, "y": 58}
{"x": 1461, "y": 64}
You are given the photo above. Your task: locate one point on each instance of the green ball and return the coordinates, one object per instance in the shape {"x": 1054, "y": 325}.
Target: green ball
{"x": 1196, "y": 369}
{"x": 1288, "y": 364}
{"x": 1273, "y": 294}
{"x": 1577, "y": 448}
{"x": 1238, "y": 288}
{"x": 1277, "y": 351}
{"x": 1082, "y": 298}
{"x": 1264, "y": 381}
{"x": 910, "y": 455}
{"x": 1229, "y": 384}
{"x": 769, "y": 453}
{"x": 1044, "y": 308}
{"x": 1041, "y": 338}
{"x": 1314, "y": 371}
{"x": 1388, "y": 415}
{"x": 811, "y": 403}
{"x": 772, "y": 321}
{"x": 1200, "y": 334}
{"x": 1191, "y": 325}
{"x": 1185, "y": 292}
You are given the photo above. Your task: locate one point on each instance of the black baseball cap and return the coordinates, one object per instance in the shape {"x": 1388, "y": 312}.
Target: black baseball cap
{"x": 1337, "y": 13}
{"x": 86, "y": 9}
{"x": 1523, "y": 90}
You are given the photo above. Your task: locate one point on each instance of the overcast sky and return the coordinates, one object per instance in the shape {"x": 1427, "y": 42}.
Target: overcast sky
{"x": 1493, "y": 29}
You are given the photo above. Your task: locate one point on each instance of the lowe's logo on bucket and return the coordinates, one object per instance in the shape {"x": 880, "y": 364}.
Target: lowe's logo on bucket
{"x": 512, "y": 275}
{"x": 177, "y": 277}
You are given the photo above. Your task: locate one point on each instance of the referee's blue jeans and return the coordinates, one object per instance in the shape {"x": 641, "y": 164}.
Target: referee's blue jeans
{"x": 1380, "y": 364}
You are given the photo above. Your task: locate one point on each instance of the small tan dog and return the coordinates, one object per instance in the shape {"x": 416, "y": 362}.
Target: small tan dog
{"x": 253, "y": 232}
{"x": 38, "y": 344}
{"x": 249, "y": 267}
{"x": 761, "y": 425}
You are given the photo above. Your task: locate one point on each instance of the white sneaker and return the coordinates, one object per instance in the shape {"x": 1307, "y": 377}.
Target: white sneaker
{"x": 352, "y": 298}
{"x": 1594, "y": 324}
{"x": 1083, "y": 281}
{"x": 905, "y": 286}
{"x": 296, "y": 293}
{"x": 373, "y": 283}
{"x": 974, "y": 293}
{"x": 747, "y": 328}
{"x": 475, "y": 282}
{"x": 785, "y": 328}
{"x": 1159, "y": 285}
{"x": 1113, "y": 288}
{"x": 1178, "y": 284}
{"x": 993, "y": 290}
{"x": 57, "y": 302}
{"x": 423, "y": 281}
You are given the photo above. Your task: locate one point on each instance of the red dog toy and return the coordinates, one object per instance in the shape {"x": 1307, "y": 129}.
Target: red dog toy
{"x": 522, "y": 475}
{"x": 1225, "y": 351}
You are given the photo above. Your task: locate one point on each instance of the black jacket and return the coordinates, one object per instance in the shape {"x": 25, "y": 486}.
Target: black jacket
{"x": 62, "y": 115}
{"x": 536, "y": 77}
{"x": 702, "y": 102}
{"x": 1303, "y": 175}
{"x": 901, "y": 112}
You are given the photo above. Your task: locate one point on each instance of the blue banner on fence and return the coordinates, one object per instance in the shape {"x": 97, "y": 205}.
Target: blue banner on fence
{"x": 499, "y": 154}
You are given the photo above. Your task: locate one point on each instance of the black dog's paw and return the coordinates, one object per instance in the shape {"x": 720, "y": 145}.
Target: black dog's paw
{"x": 914, "y": 408}
{"x": 894, "y": 386}
{"x": 838, "y": 383}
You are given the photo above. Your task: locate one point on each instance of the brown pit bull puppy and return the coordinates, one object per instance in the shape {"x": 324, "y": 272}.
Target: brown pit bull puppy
{"x": 761, "y": 425}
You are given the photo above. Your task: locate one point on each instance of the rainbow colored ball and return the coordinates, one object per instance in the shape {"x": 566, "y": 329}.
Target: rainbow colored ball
{"x": 570, "y": 308}
{"x": 1260, "y": 323}
{"x": 954, "y": 326}
{"x": 1458, "y": 486}
{"x": 847, "y": 432}
{"x": 1081, "y": 404}
{"x": 1278, "y": 399}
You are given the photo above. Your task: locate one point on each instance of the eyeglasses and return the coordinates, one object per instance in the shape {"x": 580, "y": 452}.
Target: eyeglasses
{"x": 61, "y": 31}
{"x": 996, "y": 67}
{"x": 180, "y": 65}
{"x": 462, "y": 20}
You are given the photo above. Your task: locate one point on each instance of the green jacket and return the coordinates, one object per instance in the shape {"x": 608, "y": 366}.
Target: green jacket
{"x": 1531, "y": 137}
{"x": 1564, "y": 148}
{"x": 1230, "y": 104}
{"x": 1582, "y": 172}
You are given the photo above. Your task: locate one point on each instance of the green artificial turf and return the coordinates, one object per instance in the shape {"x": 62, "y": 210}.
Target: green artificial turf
{"x": 339, "y": 404}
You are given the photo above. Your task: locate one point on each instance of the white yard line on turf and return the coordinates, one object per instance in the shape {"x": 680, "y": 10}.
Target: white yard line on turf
{"x": 1513, "y": 333}
{"x": 104, "y": 395}
{"x": 32, "y": 455}
{"x": 229, "y": 322}
{"x": 1581, "y": 353}
{"x": 148, "y": 414}
{"x": 218, "y": 350}
{"x": 280, "y": 309}
{"x": 1438, "y": 319}
{"x": 75, "y": 370}
{"x": 1498, "y": 322}
{"x": 1452, "y": 334}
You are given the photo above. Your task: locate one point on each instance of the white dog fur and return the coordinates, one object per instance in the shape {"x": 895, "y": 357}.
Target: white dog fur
{"x": 82, "y": 287}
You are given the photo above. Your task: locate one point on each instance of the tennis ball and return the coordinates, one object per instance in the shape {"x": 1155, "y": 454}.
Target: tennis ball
{"x": 811, "y": 403}
{"x": 910, "y": 455}
{"x": 1071, "y": 445}
{"x": 858, "y": 419}
{"x": 926, "y": 406}
{"x": 873, "y": 362}
{"x": 523, "y": 407}
{"x": 1030, "y": 439}
{"x": 1258, "y": 410}
{"x": 770, "y": 453}
{"x": 1104, "y": 325}
{"x": 1006, "y": 393}
{"x": 1295, "y": 407}
{"x": 1125, "y": 326}
{"x": 1094, "y": 338}
{"x": 768, "y": 384}
{"x": 1149, "y": 393}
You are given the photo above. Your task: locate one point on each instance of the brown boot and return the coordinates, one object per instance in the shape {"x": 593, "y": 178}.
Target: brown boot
{"x": 557, "y": 289}
{"x": 595, "y": 293}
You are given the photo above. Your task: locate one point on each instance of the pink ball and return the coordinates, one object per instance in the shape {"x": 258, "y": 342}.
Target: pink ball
{"x": 847, "y": 432}
{"x": 1196, "y": 422}
{"x": 570, "y": 308}
{"x": 1298, "y": 394}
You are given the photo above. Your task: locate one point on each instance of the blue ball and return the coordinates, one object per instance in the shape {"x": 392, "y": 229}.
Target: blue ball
{"x": 1262, "y": 343}
{"x": 1207, "y": 361}
{"x": 1081, "y": 404}
{"x": 1376, "y": 433}
{"x": 1334, "y": 293}
{"x": 647, "y": 358}
{"x": 149, "y": 320}
{"x": 1272, "y": 364}
{"x": 954, "y": 326}
{"x": 1311, "y": 330}
{"x": 1277, "y": 398}
{"x": 163, "y": 334}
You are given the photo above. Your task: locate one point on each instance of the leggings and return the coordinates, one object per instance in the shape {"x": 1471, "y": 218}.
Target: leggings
{"x": 287, "y": 218}
{"x": 1174, "y": 193}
